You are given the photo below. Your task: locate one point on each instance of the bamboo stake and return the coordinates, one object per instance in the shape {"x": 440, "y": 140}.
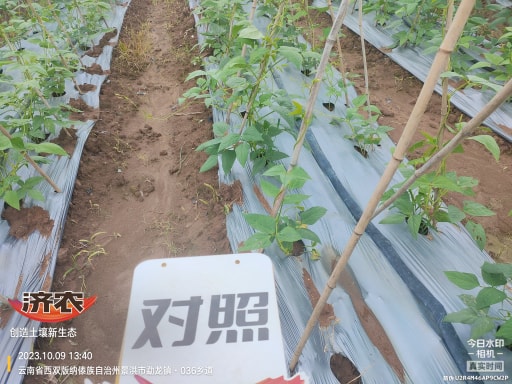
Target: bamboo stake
{"x": 444, "y": 97}
{"x": 467, "y": 130}
{"x": 37, "y": 167}
{"x": 365, "y": 64}
{"x": 342, "y": 68}
{"x": 315, "y": 88}
{"x": 438, "y": 65}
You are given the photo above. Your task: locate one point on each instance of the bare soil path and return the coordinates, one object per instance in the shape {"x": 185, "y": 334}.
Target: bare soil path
{"x": 138, "y": 194}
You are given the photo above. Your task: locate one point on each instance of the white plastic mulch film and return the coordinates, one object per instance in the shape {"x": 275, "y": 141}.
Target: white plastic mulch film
{"x": 401, "y": 279}
{"x": 27, "y": 265}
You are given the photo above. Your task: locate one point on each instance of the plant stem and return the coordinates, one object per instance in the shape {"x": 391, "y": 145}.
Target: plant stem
{"x": 438, "y": 64}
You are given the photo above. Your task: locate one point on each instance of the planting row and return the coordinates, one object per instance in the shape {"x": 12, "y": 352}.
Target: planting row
{"x": 242, "y": 58}
{"x": 483, "y": 58}
{"x": 237, "y": 80}
{"x": 42, "y": 47}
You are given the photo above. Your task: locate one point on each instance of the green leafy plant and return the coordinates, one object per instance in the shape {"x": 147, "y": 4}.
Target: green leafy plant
{"x": 422, "y": 207}
{"x": 284, "y": 229}
{"x": 31, "y": 79}
{"x": 486, "y": 36}
{"x": 366, "y": 133}
{"x": 492, "y": 292}
{"x": 255, "y": 143}
{"x": 221, "y": 21}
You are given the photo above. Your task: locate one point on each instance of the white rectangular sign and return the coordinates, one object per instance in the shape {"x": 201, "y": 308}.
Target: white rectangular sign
{"x": 204, "y": 319}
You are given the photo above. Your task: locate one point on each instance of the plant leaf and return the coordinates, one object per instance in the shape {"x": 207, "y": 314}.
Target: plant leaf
{"x": 288, "y": 234}
{"x": 228, "y": 141}
{"x": 12, "y": 198}
{"x": 486, "y": 83}
{"x": 35, "y": 194}
{"x": 481, "y": 326}
{"x": 18, "y": 143}
{"x": 220, "y": 128}
{"x": 455, "y": 214}
{"x": 494, "y": 279}
{"x": 394, "y": 218}
{"x": 505, "y": 331}
{"x": 359, "y": 101}
{"x": 208, "y": 144}
{"x": 292, "y": 54}
{"x": 261, "y": 223}
{"x": 251, "y": 133}
{"x": 308, "y": 235}
{"x": 296, "y": 178}
{"x": 312, "y": 215}
{"x": 228, "y": 159}
{"x": 250, "y": 32}
{"x": 489, "y": 296}
{"x": 5, "y": 143}
{"x": 295, "y": 198}
{"x": 469, "y": 300}
{"x": 256, "y": 241}
{"x": 210, "y": 162}
{"x": 464, "y": 316}
{"x": 238, "y": 83}
{"x": 195, "y": 74}
{"x": 269, "y": 189}
{"x": 414, "y": 222}
{"x": 51, "y": 148}
{"x": 505, "y": 269}
{"x": 276, "y": 170}
{"x": 477, "y": 232}
{"x": 490, "y": 143}
{"x": 242, "y": 152}
{"x": 473, "y": 208}
{"x": 463, "y": 280}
